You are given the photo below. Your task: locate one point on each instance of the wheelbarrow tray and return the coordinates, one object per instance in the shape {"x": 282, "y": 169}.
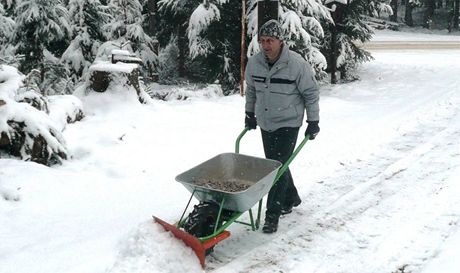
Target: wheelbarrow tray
{"x": 231, "y": 171}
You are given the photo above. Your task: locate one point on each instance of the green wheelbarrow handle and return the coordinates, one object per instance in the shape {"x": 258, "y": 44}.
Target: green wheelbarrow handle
{"x": 285, "y": 166}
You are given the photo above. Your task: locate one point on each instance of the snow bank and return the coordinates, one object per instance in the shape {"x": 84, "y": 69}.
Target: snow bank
{"x": 65, "y": 109}
{"x": 152, "y": 249}
{"x": 10, "y": 81}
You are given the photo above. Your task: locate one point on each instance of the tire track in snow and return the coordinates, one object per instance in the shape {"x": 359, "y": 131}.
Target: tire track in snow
{"x": 389, "y": 215}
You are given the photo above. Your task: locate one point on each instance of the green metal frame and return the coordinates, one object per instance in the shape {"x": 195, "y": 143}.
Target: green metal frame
{"x": 233, "y": 219}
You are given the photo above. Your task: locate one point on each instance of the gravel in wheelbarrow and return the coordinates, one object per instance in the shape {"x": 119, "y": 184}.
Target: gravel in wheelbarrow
{"x": 228, "y": 185}
{"x": 240, "y": 181}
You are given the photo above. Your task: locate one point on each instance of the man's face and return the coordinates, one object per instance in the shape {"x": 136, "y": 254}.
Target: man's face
{"x": 271, "y": 46}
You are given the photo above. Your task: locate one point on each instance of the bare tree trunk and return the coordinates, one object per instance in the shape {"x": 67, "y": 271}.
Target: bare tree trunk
{"x": 182, "y": 43}
{"x": 151, "y": 18}
{"x": 439, "y": 4}
{"x": 394, "y": 7}
{"x": 243, "y": 45}
{"x": 456, "y": 14}
{"x": 429, "y": 12}
{"x": 333, "y": 54}
{"x": 408, "y": 15}
{"x": 266, "y": 10}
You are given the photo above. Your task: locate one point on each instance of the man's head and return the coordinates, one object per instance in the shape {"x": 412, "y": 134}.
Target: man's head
{"x": 270, "y": 39}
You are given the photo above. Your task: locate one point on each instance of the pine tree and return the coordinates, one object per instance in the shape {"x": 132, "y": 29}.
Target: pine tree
{"x": 7, "y": 26}
{"x": 41, "y": 25}
{"x": 214, "y": 42}
{"x": 41, "y": 36}
{"x": 349, "y": 26}
{"x": 173, "y": 25}
{"x": 378, "y": 8}
{"x": 410, "y": 5}
{"x": 300, "y": 20}
{"x": 87, "y": 19}
{"x": 168, "y": 64}
{"x": 126, "y": 26}
{"x": 9, "y": 6}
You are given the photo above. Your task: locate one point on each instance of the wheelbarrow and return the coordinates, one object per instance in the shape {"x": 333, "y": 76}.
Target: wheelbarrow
{"x": 226, "y": 185}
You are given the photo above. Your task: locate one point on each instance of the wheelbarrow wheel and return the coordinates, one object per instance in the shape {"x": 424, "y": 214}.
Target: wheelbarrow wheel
{"x": 203, "y": 219}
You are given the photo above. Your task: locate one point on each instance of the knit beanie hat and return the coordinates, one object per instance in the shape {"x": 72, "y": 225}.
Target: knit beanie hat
{"x": 271, "y": 28}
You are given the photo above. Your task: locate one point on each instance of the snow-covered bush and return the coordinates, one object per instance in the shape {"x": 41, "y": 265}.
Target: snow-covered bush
{"x": 26, "y": 129}
{"x": 65, "y": 109}
{"x": 34, "y": 99}
{"x": 185, "y": 93}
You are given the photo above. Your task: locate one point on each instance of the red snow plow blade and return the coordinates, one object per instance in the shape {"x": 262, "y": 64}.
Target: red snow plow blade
{"x": 198, "y": 246}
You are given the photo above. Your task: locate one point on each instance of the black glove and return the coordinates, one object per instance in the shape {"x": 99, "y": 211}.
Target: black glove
{"x": 312, "y": 129}
{"x": 250, "y": 121}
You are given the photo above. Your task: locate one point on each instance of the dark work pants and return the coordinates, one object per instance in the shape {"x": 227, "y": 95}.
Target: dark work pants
{"x": 279, "y": 145}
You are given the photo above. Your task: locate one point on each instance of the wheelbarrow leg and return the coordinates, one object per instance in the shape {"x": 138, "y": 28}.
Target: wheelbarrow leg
{"x": 256, "y": 224}
{"x": 259, "y": 212}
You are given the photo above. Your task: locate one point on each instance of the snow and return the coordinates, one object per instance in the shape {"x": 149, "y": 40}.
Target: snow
{"x": 121, "y": 52}
{"x": 200, "y": 19}
{"x": 344, "y": 2}
{"x": 10, "y": 81}
{"x": 379, "y": 184}
{"x": 63, "y": 107}
{"x": 110, "y": 67}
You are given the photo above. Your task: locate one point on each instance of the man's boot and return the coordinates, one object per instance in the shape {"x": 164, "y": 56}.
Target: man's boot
{"x": 286, "y": 209}
{"x": 271, "y": 224}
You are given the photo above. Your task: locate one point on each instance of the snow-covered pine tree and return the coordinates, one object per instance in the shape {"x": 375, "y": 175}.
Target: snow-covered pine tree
{"x": 351, "y": 27}
{"x": 126, "y": 26}
{"x": 173, "y": 24}
{"x": 7, "y": 26}
{"x": 379, "y": 8}
{"x": 86, "y": 18}
{"x": 214, "y": 42}
{"x": 168, "y": 64}
{"x": 9, "y": 6}
{"x": 211, "y": 51}
{"x": 42, "y": 26}
{"x": 300, "y": 19}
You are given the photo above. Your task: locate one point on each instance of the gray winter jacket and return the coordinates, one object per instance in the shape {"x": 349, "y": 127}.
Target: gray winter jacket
{"x": 278, "y": 96}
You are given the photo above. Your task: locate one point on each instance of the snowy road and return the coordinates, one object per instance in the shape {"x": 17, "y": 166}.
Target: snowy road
{"x": 395, "y": 40}
{"x": 412, "y": 45}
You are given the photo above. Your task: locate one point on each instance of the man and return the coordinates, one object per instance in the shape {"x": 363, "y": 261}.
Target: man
{"x": 280, "y": 86}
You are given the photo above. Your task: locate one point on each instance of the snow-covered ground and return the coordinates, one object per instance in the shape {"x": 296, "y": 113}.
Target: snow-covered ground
{"x": 379, "y": 185}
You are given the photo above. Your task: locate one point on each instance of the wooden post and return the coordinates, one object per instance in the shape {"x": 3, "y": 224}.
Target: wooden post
{"x": 243, "y": 45}
{"x": 337, "y": 15}
{"x": 333, "y": 54}
{"x": 266, "y": 10}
